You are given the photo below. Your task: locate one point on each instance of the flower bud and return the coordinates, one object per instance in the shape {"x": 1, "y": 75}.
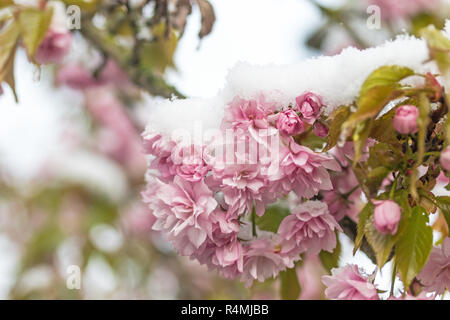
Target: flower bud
{"x": 310, "y": 106}
{"x": 445, "y": 158}
{"x": 405, "y": 119}
{"x": 386, "y": 216}
{"x": 320, "y": 129}
{"x": 289, "y": 123}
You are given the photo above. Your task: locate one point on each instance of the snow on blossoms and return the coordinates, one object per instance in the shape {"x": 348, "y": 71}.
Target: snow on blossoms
{"x": 219, "y": 168}
{"x": 206, "y": 195}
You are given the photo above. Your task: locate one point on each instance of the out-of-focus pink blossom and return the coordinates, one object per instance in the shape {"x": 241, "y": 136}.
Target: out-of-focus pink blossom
{"x": 399, "y": 9}
{"x": 444, "y": 159}
{"x": 310, "y": 106}
{"x": 120, "y": 139}
{"x": 289, "y": 123}
{"x": 138, "y": 219}
{"x": 112, "y": 73}
{"x": 405, "y": 119}
{"x": 387, "y": 215}
{"x": 54, "y": 47}
{"x": 348, "y": 283}
{"x": 310, "y": 228}
{"x": 75, "y": 76}
{"x": 261, "y": 261}
{"x": 435, "y": 276}
{"x": 309, "y": 275}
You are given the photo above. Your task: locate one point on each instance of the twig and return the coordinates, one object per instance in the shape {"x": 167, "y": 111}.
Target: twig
{"x": 142, "y": 78}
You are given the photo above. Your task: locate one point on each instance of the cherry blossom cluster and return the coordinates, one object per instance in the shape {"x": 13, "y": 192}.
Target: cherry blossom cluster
{"x": 207, "y": 197}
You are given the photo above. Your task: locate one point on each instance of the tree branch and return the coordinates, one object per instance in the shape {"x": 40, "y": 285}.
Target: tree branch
{"x": 142, "y": 78}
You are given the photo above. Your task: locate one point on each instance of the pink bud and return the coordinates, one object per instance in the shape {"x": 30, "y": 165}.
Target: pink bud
{"x": 386, "y": 216}
{"x": 289, "y": 123}
{"x": 445, "y": 158}
{"x": 405, "y": 119}
{"x": 320, "y": 129}
{"x": 310, "y": 106}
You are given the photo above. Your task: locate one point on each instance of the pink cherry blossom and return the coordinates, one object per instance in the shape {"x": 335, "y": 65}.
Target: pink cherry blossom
{"x": 261, "y": 261}
{"x": 405, "y": 119}
{"x": 289, "y": 123}
{"x": 310, "y": 106}
{"x": 344, "y": 199}
{"x": 444, "y": 159}
{"x": 157, "y": 144}
{"x": 186, "y": 213}
{"x": 387, "y": 215}
{"x": 348, "y": 283}
{"x": 435, "y": 276}
{"x": 309, "y": 228}
{"x": 303, "y": 171}
{"x": 249, "y": 116}
{"x": 242, "y": 188}
{"x": 189, "y": 163}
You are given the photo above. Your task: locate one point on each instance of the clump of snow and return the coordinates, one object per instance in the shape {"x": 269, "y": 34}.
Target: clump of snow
{"x": 337, "y": 79}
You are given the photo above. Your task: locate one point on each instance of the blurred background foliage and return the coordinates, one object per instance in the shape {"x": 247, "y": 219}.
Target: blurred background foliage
{"x": 93, "y": 218}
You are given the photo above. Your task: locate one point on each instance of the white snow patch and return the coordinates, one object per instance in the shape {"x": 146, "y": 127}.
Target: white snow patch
{"x": 337, "y": 79}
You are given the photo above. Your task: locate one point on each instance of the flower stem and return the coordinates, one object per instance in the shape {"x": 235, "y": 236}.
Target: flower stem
{"x": 253, "y": 217}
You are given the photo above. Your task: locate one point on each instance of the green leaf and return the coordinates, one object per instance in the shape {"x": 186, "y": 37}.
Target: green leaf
{"x": 364, "y": 215}
{"x": 158, "y": 54}
{"x": 443, "y": 203}
{"x": 360, "y": 136}
{"x": 290, "y": 286}
{"x": 330, "y": 260}
{"x": 380, "y": 87}
{"x": 272, "y": 217}
{"x": 383, "y": 129}
{"x": 381, "y": 154}
{"x": 413, "y": 248}
{"x": 8, "y": 44}
{"x": 439, "y": 47}
{"x": 384, "y": 76}
{"x": 34, "y": 24}
{"x": 338, "y": 117}
{"x": 375, "y": 178}
{"x": 6, "y": 3}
